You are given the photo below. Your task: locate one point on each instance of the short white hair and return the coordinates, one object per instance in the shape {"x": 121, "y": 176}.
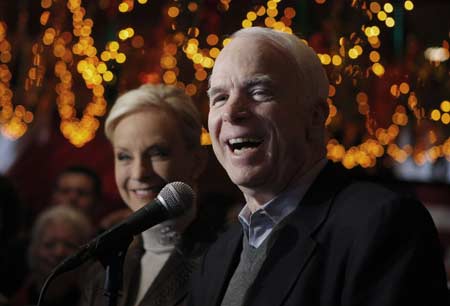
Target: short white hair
{"x": 59, "y": 214}
{"x": 309, "y": 69}
{"x": 168, "y": 98}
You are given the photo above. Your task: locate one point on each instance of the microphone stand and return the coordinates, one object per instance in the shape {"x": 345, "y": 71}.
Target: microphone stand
{"x": 113, "y": 264}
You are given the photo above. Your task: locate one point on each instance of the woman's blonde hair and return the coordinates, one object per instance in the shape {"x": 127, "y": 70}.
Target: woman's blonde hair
{"x": 168, "y": 98}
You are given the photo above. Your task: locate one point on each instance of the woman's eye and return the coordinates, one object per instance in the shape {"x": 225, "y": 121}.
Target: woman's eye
{"x": 158, "y": 152}
{"x": 123, "y": 156}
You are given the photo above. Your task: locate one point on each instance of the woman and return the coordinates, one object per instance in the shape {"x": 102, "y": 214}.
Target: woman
{"x": 56, "y": 234}
{"x": 155, "y": 133}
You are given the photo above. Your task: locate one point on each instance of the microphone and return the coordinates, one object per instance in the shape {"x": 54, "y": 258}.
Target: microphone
{"x": 172, "y": 201}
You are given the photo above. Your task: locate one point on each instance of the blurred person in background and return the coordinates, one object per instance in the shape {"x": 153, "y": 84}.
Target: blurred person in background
{"x": 79, "y": 187}
{"x": 155, "y": 132}
{"x": 56, "y": 234}
{"x": 13, "y": 238}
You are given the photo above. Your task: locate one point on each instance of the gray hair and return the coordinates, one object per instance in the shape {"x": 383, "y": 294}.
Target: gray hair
{"x": 305, "y": 60}
{"x": 68, "y": 215}
{"x": 168, "y": 98}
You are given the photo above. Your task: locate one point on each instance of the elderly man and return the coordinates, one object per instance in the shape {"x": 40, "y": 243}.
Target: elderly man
{"x": 308, "y": 235}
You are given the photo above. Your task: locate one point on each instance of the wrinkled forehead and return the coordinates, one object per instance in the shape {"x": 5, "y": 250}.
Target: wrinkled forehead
{"x": 245, "y": 57}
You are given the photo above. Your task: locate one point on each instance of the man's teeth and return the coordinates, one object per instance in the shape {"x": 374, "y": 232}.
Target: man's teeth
{"x": 244, "y": 140}
{"x": 242, "y": 143}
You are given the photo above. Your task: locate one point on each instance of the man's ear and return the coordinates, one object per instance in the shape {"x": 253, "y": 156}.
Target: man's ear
{"x": 319, "y": 114}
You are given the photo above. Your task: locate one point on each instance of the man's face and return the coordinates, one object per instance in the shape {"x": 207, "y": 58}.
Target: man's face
{"x": 256, "y": 119}
{"x": 150, "y": 152}
{"x": 76, "y": 190}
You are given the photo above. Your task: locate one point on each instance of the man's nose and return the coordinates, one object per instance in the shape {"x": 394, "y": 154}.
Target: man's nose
{"x": 237, "y": 109}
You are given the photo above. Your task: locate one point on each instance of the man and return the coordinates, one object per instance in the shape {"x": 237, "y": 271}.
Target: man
{"x": 308, "y": 236}
{"x": 78, "y": 187}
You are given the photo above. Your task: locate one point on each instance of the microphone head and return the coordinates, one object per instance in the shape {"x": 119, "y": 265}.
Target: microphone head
{"x": 177, "y": 197}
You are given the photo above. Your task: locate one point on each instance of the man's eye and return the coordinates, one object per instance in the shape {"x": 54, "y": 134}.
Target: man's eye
{"x": 261, "y": 94}
{"x": 218, "y": 99}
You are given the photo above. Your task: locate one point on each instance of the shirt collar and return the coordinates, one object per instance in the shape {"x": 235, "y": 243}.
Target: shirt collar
{"x": 283, "y": 204}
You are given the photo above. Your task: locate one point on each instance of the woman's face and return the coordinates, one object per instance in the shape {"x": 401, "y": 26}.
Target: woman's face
{"x": 149, "y": 153}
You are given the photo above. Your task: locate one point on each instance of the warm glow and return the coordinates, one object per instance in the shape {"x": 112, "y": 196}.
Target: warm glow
{"x": 436, "y": 115}
{"x": 409, "y": 5}
{"x": 445, "y": 106}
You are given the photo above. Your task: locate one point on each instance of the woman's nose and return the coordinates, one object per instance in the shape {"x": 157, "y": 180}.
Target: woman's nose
{"x": 141, "y": 169}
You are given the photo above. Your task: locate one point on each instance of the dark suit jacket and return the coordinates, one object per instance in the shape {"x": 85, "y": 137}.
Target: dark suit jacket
{"x": 348, "y": 243}
{"x": 168, "y": 289}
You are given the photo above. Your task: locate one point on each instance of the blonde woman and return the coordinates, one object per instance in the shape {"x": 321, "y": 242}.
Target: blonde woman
{"x": 155, "y": 133}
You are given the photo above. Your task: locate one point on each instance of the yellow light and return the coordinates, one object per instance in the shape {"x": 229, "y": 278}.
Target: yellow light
{"x": 108, "y": 76}
{"x": 436, "y": 115}
{"x": 169, "y": 77}
{"x": 205, "y": 139}
{"x": 123, "y": 34}
{"x": 272, "y": 12}
{"x": 445, "y": 118}
{"x": 173, "y": 11}
{"x": 142, "y": 1}
{"x": 409, "y": 5}
{"x": 207, "y": 62}
{"x": 197, "y": 58}
{"x": 378, "y": 69}
{"x": 269, "y": 21}
{"x": 271, "y": 4}
{"x": 390, "y": 22}
{"x": 113, "y": 46}
{"x": 251, "y": 16}
{"x": 374, "y": 56}
{"x": 123, "y": 7}
{"x": 388, "y": 7}
{"x": 246, "y": 23}
{"x": 336, "y": 60}
{"x": 326, "y": 59}
{"x": 375, "y": 7}
{"x": 101, "y": 68}
{"x": 261, "y": 11}
{"x": 375, "y": 31}
{"x": 404, "y": 88}
{"x": 226, "y": 41}
{"x": 358, "y": 49}
{"x": 445, "y": 106}
{"x": 353, "y": 53}
{"x": 214, "y": 52}
{"x": 105, "y": 56}
{"x": 121, "y": 58}
{"x": 381, "y": 16}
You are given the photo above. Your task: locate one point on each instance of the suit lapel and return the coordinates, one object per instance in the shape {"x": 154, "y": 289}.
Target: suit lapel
{"x": 132, "y": 272}
{"x": 293, "y": 244}
{"x": 226, "y": 258}
{"x": 171, "y": 285}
